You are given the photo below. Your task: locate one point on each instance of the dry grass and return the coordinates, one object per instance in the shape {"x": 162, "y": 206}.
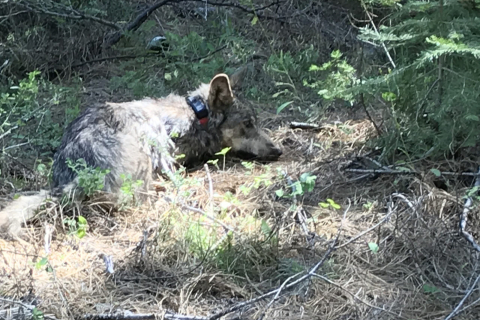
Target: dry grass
{"x": 161, "y": 258}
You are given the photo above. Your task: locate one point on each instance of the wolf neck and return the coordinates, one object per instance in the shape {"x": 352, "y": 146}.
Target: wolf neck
{"x": 200, "y": 109}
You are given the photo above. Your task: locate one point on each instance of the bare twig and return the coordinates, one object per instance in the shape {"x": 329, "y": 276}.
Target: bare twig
{"x": 456, "y": 310}
{"x": 277, "y": 295}
{"x": 312, "y": 271}
{"x": 385, "y": 171}
{"x": 124, "y": 57}
{"x": 127, "y": 315}
{"x": 130, "y": 56}
{"x": 8, "y": 132}
{"x": 73, "y": 14}
{"x": 26, "y": 306}
{"x": 464, "y": 217}
{"x": 142, "y": 17}
{"x": 208, "y": 54}
{"x": 362, "y": 100}
{"x": 137, "y": 22}
{"x": 208, "y": 216}
{"x": 376, "y": 31}
{"x": 306, "y": 126}
{"x": 361, "y": 234}
{"x": 210, "y": 187}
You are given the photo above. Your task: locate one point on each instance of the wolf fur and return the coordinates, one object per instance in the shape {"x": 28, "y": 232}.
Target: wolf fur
{"x": 140, "y": 138}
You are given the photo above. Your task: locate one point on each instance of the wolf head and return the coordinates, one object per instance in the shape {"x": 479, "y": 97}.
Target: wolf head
{"x": 238, "y": 125}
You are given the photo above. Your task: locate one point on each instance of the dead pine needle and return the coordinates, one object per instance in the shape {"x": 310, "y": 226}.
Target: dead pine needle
{"x": 284, "y": 286}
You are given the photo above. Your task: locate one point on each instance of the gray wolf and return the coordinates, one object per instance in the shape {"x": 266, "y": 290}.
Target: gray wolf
{"x": 143, "y": 138}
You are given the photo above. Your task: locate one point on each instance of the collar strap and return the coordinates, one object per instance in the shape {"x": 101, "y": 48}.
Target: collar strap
{"x": 199, "y": 108}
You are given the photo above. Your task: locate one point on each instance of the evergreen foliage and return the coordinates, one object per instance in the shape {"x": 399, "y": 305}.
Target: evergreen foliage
{"x": 436, "y": 83}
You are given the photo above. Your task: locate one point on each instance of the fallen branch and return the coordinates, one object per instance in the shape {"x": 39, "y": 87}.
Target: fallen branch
{"x": 384, "y": 171}
{"x": 127, "y": 315}
{"x": 464, "y": 217}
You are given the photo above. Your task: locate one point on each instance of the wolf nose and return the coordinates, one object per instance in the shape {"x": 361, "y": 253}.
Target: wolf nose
{"x": 278, "y": 151}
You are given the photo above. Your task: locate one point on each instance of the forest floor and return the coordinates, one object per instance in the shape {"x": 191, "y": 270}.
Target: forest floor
{"x": 386, "y": 247}
{"x": 360, "y": 244}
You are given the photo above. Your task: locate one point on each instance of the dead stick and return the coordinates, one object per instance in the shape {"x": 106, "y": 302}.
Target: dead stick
{"x": 304, "y": 125}
{"x": 456, "y": 311}
{"x": 210, "y": 187}
{"x": 464, "y": 218}
{"x": 139, "y": 316}
{"x": 390, "y": 211}
{"x": 381, "y": 171}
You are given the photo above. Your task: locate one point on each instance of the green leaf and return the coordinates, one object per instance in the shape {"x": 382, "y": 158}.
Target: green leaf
{"x": 41, "y": 263}
{"x": 323, "y": 204}
{"x": 254, "y": 20}
{"x": 82, "y": 221}
{"x": 389, "y": 96}
{"x": 265, "y": 228}
{"x": 81, "y": 233}
{"x": 335, "y": 206}
{"x": 436, "y": 172}
{"x": 248, "y": 165}
{"x": 373, "y": 247}
{"x": 168, "y": 76}
{"x": 336, "y": 54}
{"x": 428, "y": 288}
{"x": 223, "y": 152}
{"x": 283, "y": 106}
{"x": 279, "y": 193}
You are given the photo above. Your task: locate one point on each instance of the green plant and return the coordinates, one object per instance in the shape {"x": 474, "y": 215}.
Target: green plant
{"x": 339, "y": 79}
{"x": 77, "y": 227}
{"x": 29, "y": 113}
{"x": 431, "y": 89}
{"x": 200, "y": 237}
{"x": 330, "y": 203}
{"x": 258, "y": 181}
{"x": 223, "y": 153}
{"x": 90, "y": 179}
{"x": 37, "y": 314}
{"x": 430, "y": 289}
{"x": 41, "y": 263}
{"x": 373, "y": 247}
{"x": 129, "y": 187}
{"x": 305, "y": 184}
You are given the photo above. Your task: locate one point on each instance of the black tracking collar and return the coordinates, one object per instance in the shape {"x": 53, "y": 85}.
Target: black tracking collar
{"x": 200, "y": 109}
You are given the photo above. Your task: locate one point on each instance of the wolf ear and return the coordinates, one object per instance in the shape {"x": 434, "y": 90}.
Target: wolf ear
{"x": 220, "y": 96}
{"x": 237, "y": 77}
